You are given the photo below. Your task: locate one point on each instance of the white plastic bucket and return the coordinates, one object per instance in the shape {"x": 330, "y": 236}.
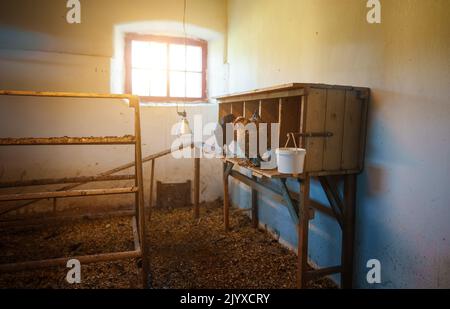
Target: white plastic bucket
{"x": 290, "y": 160}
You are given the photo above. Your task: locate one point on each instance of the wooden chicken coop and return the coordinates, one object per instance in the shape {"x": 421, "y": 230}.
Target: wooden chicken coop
{"x": 328, "y": 121}
{"x": 138, "y": 221}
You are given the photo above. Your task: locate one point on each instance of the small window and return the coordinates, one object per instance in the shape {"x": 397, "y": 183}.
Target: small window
{"x": 166, "y": 69}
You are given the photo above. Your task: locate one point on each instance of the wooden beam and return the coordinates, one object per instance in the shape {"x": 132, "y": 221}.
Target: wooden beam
{"x": 331, "y": 199}
{"x": 85, "y": 259}
{"x": 137, "y": 245}
{"x": 197, "y": 188}
{"x": 152, "y": 182}
{"x": 227, "y": 169}
{"x": 278, "y": 196}
{"x": 322, "y": 208}
{"x": 61, "y": 194}
{"x": 348, "y": 231}
{"x": 255, "y": 185}
{"x": 293, "y": 209}
{"x": 318, "y": 273}
{"x": 30, "y": 141}
{"x": 140, "y": 193}
{"x": 109, "y": 172}
{"x": 255, "y": 215}
{"x": 264, "y": 96}
{"x": 66, "y": 94}
{"x": 303, "y": 231}
{"x": 55, "y": 181}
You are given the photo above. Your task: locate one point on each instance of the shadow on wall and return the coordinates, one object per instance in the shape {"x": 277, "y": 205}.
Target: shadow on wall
{"x": 399, "y": 194}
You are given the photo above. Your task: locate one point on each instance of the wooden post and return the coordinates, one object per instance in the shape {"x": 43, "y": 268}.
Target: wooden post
{"x": 348, "y": 232}
{"x": 226, "y": 198}
{"x": 140, "y": 193}
{"x": 152, "y": 181}
{"x": 54, "y": 205}
{"x": 303, "y": 226}
{"x": 197, "y": 188}
{"x": 255, "y": 219}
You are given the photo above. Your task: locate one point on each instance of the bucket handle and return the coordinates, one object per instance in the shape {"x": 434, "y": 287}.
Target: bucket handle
{"x": 289, "y": 136}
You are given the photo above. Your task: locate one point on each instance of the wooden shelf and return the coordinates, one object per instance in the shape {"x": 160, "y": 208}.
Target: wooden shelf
{"x": 260, "y": 172}
{"x": 303, "y": 109}
{"x": 108, "y": 140}
{"x": 62, "y": 194}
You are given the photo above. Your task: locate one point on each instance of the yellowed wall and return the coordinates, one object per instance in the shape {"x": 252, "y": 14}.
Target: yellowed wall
{"x": 403, "y": 194}
{"x": 46, "y": 21}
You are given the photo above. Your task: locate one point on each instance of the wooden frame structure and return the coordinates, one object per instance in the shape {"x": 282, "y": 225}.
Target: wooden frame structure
{"x": 138, "y": 221}
{"x": 330, "y": 123}
{"x": 196, "y": 178}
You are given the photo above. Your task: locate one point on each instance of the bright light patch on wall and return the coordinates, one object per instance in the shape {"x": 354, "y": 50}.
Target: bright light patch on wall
{"x": 157, "y": 67}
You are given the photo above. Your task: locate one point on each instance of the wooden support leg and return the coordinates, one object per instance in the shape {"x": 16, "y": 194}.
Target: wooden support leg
{"x": 303, "y": 226}
{"x": 54, "y": 205}
{"x": 140, "y": 196}
{"x": 348, "y": 231}
{"x": 292, "y": 207}
{"x": 152, "y": 181}
{"x": 227, "y": 167}
{"x": 255, "y": 219}
{"x": 197, "y": 188}
{"x": 226, "y": 200}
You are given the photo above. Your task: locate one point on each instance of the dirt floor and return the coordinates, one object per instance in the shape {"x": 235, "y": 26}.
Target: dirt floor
{"x": 184, "y": 253}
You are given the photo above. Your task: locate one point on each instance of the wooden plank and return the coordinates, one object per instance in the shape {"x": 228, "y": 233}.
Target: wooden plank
{"x": 152, "y": 182}
{"x": 334, "y": 123}
{"x": 139, "y": 198}
{"x": 277, "y": 196}
{"x": 259, "y": 172}
{"x": 85, "y": 259}
{"x": 29, "y": 141}
{"x": 315, "y": 122}
{"x": 255, "y": 215}
{"x": 250, "y": 107}
{"x": 137, "y": 245}
{"x": 67, "y": 94}
{"x": 237, "y": 109}
{"x": 287, "y": 87}
{"x": 270, "y": 113}
{"x": 224, "y": 109}
{"x": 270, "y": 110}
{"x": 197, "y": 188}
{"x": 289, "y": 117}
{"x": 54, "y": 181}
{"x": 174, "y": 195}
{"x": 303, "y": 231}
{"x": 334, "y": 203}
{"x": 352, "y": 130}
{"x": 348, "y": 231}
{"x": 292, "y": 208}
{"x": 264, "y": 96}
{"x": 109, "y": 172}
{"x": 322, "y": 208}
{"x": 302, "y": 127}
{"x": 283, "y": 87}
{"x": 226, "y": 195}
{"x": 64, "y": 194}
{"x": 317, "y": 273}
{"x": 363, "y": 131}
{"x": 257, "y": 186}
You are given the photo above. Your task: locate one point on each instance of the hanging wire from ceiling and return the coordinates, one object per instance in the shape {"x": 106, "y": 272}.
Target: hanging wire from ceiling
{"x": 185, "y": 49}
{"x": 183, "y": 114}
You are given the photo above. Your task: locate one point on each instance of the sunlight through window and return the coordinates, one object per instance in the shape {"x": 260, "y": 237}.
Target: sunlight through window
{"x": 164, "y": 68}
